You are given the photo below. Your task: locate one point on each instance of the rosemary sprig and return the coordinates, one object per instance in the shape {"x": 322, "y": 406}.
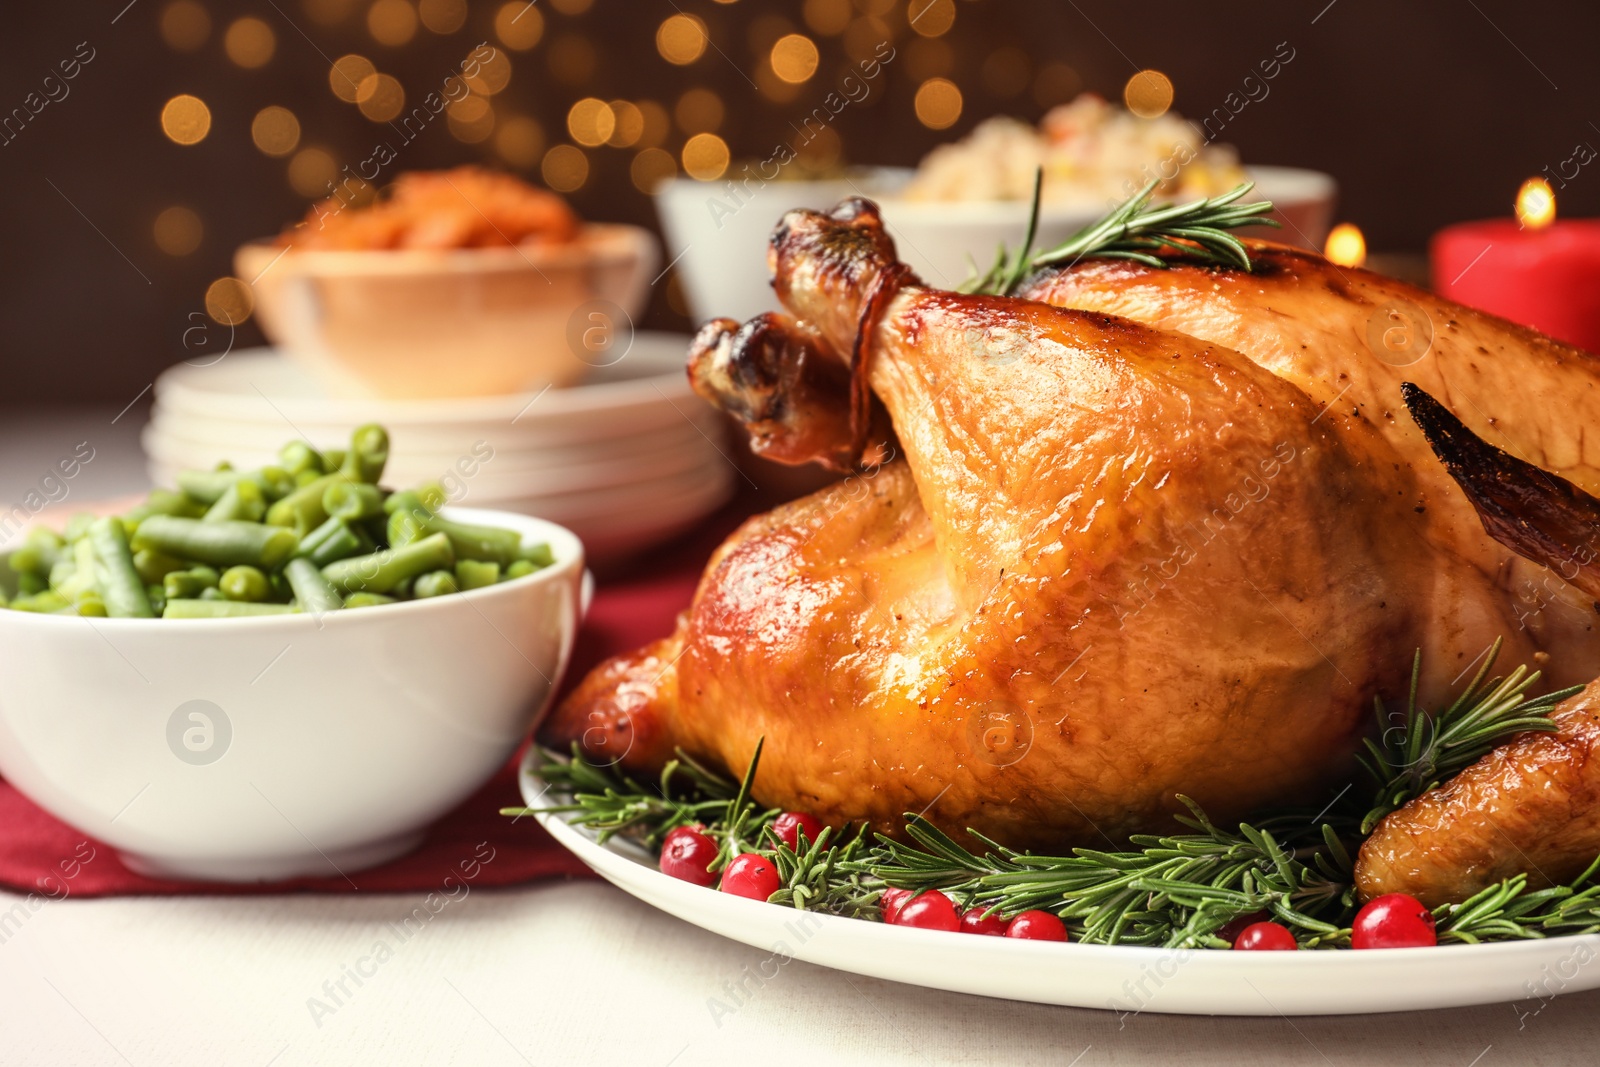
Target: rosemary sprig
{"x": 1196, "y": 231}
{"x": 1417, "y": 750}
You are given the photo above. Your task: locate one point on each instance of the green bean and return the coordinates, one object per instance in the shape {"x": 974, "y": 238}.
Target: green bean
{"x": 382, "y": 571}
{"x": 40, "y": 550}
{"x": 189, "y": 584}
{"x": 344, "y": 543}
{"x": 85, "y": 572}
{"x": 311, "y": 540}
{"x": 123, "y": 589}
{"x": 311, "y": 589}
{"x": 539, "y": 555}
{"x": 245, "y": 583}
{"x": 332, "y": 459}
{"x": 477, "y": 542}
{"x": 434, "y": 583}
{"x": 221, "y": 609}
{"x": 163, "y": 502}
{"x": 404, "y": 527}
{"x": 432, "y": 495}
{"x": 367, "y": 600}
{"x": 44, "y": 603}
{"x": 302, "y": 509}
{"x": 352, "y": 500}
{"x": 297, "y": 457}
{"x": 207, "y": 487}
{"x": 407, "y": 499}
{"x": 520, "y": 569}
{"x": 91, "y": 604}
{"x": 475, "y": 574}
{"x": 219, "y": 543}
{"x": 242, "y": 501}
{"x": 158, "y": 597}
{"x": 153, "y": 566}
{"x": 369, "y": 452}
{"x": 212, "y": 593}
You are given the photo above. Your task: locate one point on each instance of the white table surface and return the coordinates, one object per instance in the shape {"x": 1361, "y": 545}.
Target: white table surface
{"x": 572, "y": 973}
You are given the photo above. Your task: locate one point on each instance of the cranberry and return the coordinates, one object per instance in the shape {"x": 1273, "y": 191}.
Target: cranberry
{"x": 1393, "y": 920}
{"x": 687, "y": 853}
{"x": 1037, "y": 926}
{"x": 976, "y": 922}
{"x": 931, "y": 910}
{"x": 891, "y": 900}
{"x": 1230, "y": 930}
{"x": 750, "y": 875}
{"x": 789, "y": 825}
{"x": 1265, "y": 937}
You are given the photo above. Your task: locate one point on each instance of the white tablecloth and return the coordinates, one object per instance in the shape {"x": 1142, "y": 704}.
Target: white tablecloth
{"x": 571, "y": 973}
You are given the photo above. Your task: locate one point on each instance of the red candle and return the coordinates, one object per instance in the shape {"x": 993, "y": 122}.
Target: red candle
{"x": 1533, "y": 269}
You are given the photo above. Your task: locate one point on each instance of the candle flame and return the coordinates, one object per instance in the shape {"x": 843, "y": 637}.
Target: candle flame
{"x": 1536, "y": 204}
{"x": 1346, "y": 245}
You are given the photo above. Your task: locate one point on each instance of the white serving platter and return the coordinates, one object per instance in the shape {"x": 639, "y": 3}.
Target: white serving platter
{"x": 1128, "y": 980}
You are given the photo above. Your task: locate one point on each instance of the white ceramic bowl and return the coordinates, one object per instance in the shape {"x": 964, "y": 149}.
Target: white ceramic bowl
{"x": 941, "y": 240}
{"x": 449, "y": 323}
{"x": 268, "y": 748}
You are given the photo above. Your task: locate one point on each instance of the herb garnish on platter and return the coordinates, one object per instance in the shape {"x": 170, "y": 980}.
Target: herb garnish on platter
{"x": 1172, "y": 890}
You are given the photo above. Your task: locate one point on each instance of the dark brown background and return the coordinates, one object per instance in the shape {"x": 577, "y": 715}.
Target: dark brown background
{"x": 1425, "y": 112}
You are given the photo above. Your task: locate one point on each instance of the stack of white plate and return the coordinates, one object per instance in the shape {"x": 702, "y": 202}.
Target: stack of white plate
{"x": 626, "y": 459}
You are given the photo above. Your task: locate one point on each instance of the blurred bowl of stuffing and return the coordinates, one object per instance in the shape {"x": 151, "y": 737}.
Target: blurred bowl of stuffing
{"x": 968, "y": 197}
{"x": 450, "y": 284}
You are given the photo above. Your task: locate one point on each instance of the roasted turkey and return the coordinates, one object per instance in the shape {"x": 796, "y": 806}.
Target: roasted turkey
{"x": 1134, "y": 533}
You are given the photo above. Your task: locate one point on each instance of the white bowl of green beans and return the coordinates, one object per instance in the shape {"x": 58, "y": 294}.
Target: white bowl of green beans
{"x": 280, "y": 672}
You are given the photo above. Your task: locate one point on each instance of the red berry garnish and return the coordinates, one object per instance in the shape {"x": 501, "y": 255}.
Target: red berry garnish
{"x": 1259, "y": 937}
{"x": 1394, "y": 920}
{"x": 976, "y": 922}
{"x": 750, "y": 875}
{"x": 891, "y": 900}
{"x": 1230, "y": 930}
{"x": 788, "y": 826}
{"x": 1037, "y": 926}
{"x": 687, "y": 853}
{"x": 930, "y": 910}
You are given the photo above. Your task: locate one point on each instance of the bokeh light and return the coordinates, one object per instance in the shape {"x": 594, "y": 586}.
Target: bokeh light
{"x": 705, "y": 157}
{"x": 185, "y": 25}
{"x": 275, "y": 130}
{"x": 794, "y": 58}
{"x": 699, "y": 111}
{"x": 519, "y": 25}
{"x": 650, "y": 168}
{"x": 876, "y": 8}
{"x": 1535, "y": 205}
{"x": 381, "y": 97}
{"x": 250, "y": 43}
{"x": 1148, "y": 94}
{"x": 178, "y": 231}
{"x": 565, "y": 168}
{"x": 329, "y": 12}
{"x": 442, "y": 16}
{"x": 392, "y": 22}
{"x": 311, "y": 171}
{"x": 931, "y": 18}
{"x": 628, "y": 126}
{"x": 229, "y": 301}
{"x": 185, "y": 119}
{"x": 493, "y": 74}
{"x": 827, "y": 17}
{"x": 471, "y": 119}
{"x": 519, "y": 140}
{"x": 591, "y": 122}
{"x": 1346, "y": 245}
{"x": 938, "y": 103}
{"x": 347, "y": 74}
{"x": 681, "y": 39}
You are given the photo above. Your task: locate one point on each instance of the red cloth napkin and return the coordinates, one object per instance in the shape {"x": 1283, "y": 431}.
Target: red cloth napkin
{"x": 37, "y": 849}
